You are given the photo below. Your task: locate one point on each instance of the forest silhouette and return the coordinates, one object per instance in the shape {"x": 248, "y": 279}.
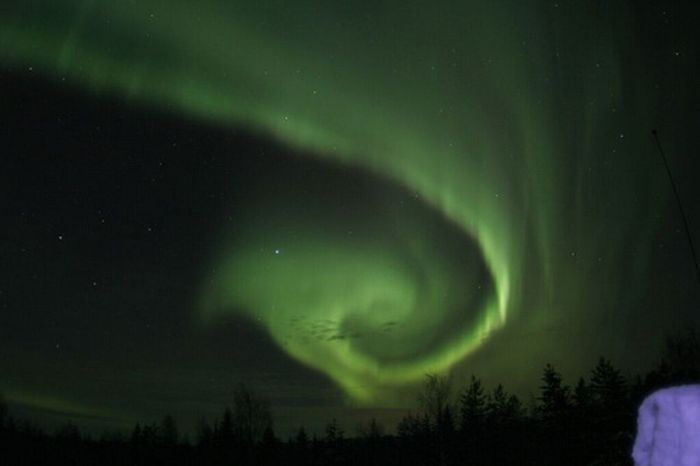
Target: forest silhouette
{"x": 592, "y": 422}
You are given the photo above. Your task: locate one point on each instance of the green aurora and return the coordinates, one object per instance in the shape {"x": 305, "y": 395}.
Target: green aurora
{"x": 495, "y": 115}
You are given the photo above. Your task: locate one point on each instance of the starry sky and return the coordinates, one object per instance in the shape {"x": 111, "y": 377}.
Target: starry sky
{"x": 327, "y": 200}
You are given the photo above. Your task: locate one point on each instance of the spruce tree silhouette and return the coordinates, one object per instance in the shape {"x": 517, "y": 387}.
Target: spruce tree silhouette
{"x": 504, "y": 414}
{"x": 554, "y": 396}
{"x": 300, "y": 452}
{"x": 206, "y": 442}
{"x": 582, "y": 396}
{"x": 608, "y": 386}
{"x": 205, "y": 434}
{"x": 334, "y": 444}
{"x": 224, "y": 438}
{"x": 375, "y": 430}
{"x": 554, "y": 416}
{"x": 251, "y": 416}
{"x": 612, "y": 410}
{"x": 169, "y": 432}
{"x": 136, "y": 440}
{"x": 472, "y": 422}
{"x": 682, "y": 356}
{"x": 472, "y": 407}
{"x": 583, "y": 420}
{"x": 434, "y": 399}
{"x": 333, "y": 432}
{"x": 224, "y": 431}
{"x": 3, "y": 412}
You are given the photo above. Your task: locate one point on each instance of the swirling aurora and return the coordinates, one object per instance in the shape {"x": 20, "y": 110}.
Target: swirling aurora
{"x": 491, "y": 118}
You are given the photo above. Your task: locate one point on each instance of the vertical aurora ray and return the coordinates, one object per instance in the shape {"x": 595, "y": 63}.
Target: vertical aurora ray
{"x": 460, "y": 103}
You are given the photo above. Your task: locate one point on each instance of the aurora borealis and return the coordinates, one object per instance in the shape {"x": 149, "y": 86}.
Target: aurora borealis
{"x": 464, "y": 187}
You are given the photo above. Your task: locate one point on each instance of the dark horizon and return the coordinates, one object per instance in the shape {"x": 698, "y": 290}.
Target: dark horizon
{"x": 593, "y": 419}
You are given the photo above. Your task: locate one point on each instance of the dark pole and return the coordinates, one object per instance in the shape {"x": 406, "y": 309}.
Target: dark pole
{"x": 680, "y": 205}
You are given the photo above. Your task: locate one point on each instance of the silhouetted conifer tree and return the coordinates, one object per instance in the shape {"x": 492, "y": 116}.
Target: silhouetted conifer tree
{"x": 68, "y": 433}
{"x": 333, "y": 432}
{"x": 302, "y": 439}
{"x": 268, "y": 437}
{"x": 504, "y": 414}
{"x": 267, "y": 449}
{"x": 376, "y": 430}
{"x": 334, "y": 443}
{"x": 301, "y": 448}
{"x": 554, "y": 397}
{"x": 582, "y": 397}
{"x": 608, "y": 386}
{"x": 408, "y": 427}
{"x": 224, "y": 433}
{"x": 369, "y": 442}
{"x": 136, "y": 444}
{"x": 612, "y": 418}
{"x": 554, "y": 413}
{"x": 446, "y": 423}
{"x": 169, "y": 432}
{"x": 472, "y": 422}
{"x": 3, "y": 413}
{"x": 682, "y": 357}
{"x": 205, "y": 434}
{"x": 583, "y": 418}
{"x": 496, "y": 407}
{"x": 472, "y": 408}
{"x": 434, "y": 399}
{"x": 251, "y": 416}
{"x": 151, "y": 435}
{"x": 136, "y": 435}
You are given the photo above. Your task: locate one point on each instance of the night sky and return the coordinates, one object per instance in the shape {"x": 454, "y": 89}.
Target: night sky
{"x": 328, "y": 200}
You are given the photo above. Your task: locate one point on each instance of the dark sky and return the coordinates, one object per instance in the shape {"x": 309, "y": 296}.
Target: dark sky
{"x": 328, "y": 202}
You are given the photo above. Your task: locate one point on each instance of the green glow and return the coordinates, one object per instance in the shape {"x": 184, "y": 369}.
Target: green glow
{"x": 351, "y": 303}
{"x": 60, "y": 405}
{"x": 441, "y": 101}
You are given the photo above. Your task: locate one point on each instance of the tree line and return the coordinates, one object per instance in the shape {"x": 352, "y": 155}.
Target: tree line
{"x": 589, "y": 423}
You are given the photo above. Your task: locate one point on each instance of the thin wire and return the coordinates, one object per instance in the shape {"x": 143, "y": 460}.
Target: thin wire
{"x": 680, "y": 206}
